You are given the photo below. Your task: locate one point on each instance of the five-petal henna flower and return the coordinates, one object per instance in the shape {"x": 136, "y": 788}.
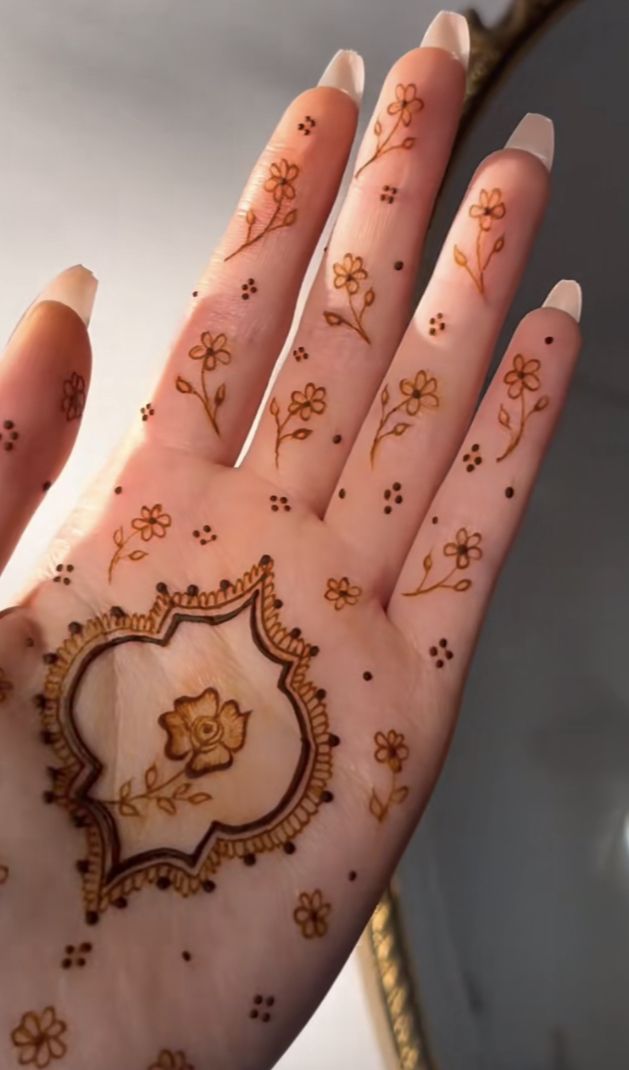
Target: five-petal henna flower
{"x": 205, "y": 732}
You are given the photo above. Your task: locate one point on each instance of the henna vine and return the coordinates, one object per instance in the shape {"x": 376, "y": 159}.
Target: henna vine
{"x": 521, "y": 377}
{"x": 211, "y": 351}
{"x": 349, "y": 275}
{"x": 151, "y": 524}
{"x": 418, "y": 394}
{"x": 405, "y": 106}
{"x": 171, "y": 1060}
{"x": 40, "y": 1038}
{"x": 311, "y": 914}
{"x": 392, "y": 751}
{"x": 73, "y": 400}
{"x": 490, "y": 207}
{"x": 6, "y": 687}
{"x": 302, "y": 405}
{"x": 281, "y": 184}
{"x": 342, "y": 593}
{"x": 465, "y": 550}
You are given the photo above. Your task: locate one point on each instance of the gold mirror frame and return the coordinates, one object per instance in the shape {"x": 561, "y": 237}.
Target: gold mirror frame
{"x": 386, "y": 964}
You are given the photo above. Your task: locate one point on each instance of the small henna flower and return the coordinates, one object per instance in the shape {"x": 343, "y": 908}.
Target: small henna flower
{"x": 281, "y": 180}
{"x": 349, "y": 273}
{"x": 205, "y": 732}
{"x": 490, "y": 207}
{"x": 406, "y": 103}
{"x": 342, "y": 592}
{"x": 212, "y": 351}
{"x": 421, "y": 393}
{"x": 303, "y": 404}
{"x": 391, "y": 750}
{"x": 311, "y": 914}
{"x": 280, "y": 183}
{"x": 466, "y": 548}
{"x": 73, "y": 401}
{"x": 152, "y": 523}
{"x": 404, "y": 108}
{"x": 523, "y": 376}
{"x": 310, "y": 401}
{"x": 39, "y": 1038}
{"x": 417, "y": 395}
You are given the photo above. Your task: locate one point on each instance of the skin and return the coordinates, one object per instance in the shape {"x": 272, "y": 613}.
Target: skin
{"x": 137, "y": 996}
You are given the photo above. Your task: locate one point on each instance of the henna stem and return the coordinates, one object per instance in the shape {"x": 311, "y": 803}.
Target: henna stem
{"x": 380, "y": 434}
{"x": 252, "y": 241}
{"x": 440, "y": 583}
{"x": 380, "y": 147}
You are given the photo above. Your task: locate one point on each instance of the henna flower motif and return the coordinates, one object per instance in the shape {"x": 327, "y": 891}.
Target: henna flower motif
{"x": 349, "y": 273}
{"x": 406, "y": 103}
{"x": 205, "y": 732}
{"x": 303, "y": 404}
{"x": 152, "y": 523}
{"x": 6, "y": 687}
{"x": 417, "y": 394}
{"x": 39, "y": 1038}
{"x": 171, "y": 1060}
{"x": 311, "y": 914}
{"x": 421, "y": 393}
{"x": 522, "y": 376}
{"x": 404, "y": 108}
{"x": 342, "y": 592}
{"x": 281, "y": 180}
{"x": 391, "y": 750}
{"x": 490, "y": 207}
{"x": 466, "y": 548}
{"x": 73, "y": 401}
{"x": 212, "y": 351}
{"x": 311, "y": 401}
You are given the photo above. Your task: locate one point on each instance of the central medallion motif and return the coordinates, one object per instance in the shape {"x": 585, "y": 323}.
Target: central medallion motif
{"x": 185, "y": 737}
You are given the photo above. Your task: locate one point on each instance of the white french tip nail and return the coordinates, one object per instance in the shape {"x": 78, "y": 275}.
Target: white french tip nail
{"x": 567, "y": 296}
{"x": 75, "y": 287}
{"x": 346, "y": 71}
{"x": 535, "y": 134}
{"x": 449, "y": 30}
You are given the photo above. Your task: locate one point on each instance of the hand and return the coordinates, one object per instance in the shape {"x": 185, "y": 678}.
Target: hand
{"x": 226, "y": 697}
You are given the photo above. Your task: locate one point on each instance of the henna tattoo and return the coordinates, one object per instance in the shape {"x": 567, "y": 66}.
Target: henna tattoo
{"x": 205, "y": 535}
{"x": 436, "y": 324}
{"x": 73, "y": 397}
{"x": 212, "y": 351}
{"x": 171, "y": 1060}
{"x": 75, "y": 955}
{"x": 523, "y": 376}
{"x": 398, "y": 265}
{"x": 337, "y": 439}
{"x": 147, "y": 411}
{"x": 40, "y": 1039}
{"x": 549, "y": 340}
{"x": 60, "y": 577}
{"x": 490, "y": 207}
{"x": 349, "y": 275}
{"x": 302, "y": 406}
{"x": 279, "y": 504}
{"x": 435, "y": 520}
{"x": 307, "y": 126}
{"x": 311, "y": 914}
{"x": 205, "y": 737}
{"x": 342, "y": 593}
{"x": 438, "y": 653}
{"x": 392, "y": 494}
{"x": 151, "y": 524}
{"x": 300, "y": 354}
{"x": 342, "y": 493}
{"x": 472, "y": 459}
{"x": 4, "y": 874}
{"x": 258, "y": 1010}
{"x": 280, "y": 184}
{"x": 368, "y": 676}
{"x": 118, "y": 490}
{"x": 405, "y": 106}
{"x": 418, "y": 395}
{"x": 351, "y": 876}
{"x": 391, "y": 750}
{"x": 6, "y": 687}
{"x": 389, "y": 193}
{"x": 248, "y": 289}
{"x": 8, "y": 436}
{"x": 186, "y": 956}
{"x": 465, "y": 550}
{"x": 46, "y": 486}
{"x": 509, "y": 492}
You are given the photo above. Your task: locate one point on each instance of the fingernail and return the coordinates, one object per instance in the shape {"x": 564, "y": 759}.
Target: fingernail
{"x": 567, "y": 296}
{"x": 450, "y": 31}
{"x": 535, "y": 134}
{"x": 75, "y": 287}
{"x": 346, "y": 71}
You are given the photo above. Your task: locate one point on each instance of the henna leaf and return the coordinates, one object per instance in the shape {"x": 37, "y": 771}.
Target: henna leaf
{"x": 384, "y": 396}
{"x": 127, "y": 809}
{"x": 427, "y": 562}
{"x": 503, "y": 417}
{"x": 377, "y": 128}
{"x": 125, "y": 790}
{"x": 251, "y": 217}
{"x": 137, "y": 555}
{"x": 398, "y": 795}
{"x": 301, "y": 434}
{"x": 499, "y": 244}
{"x": 370, "y": 297}
{"x": 219, "y": 396}
{"x": 199, "y": 797}
{"x": 376, "y": 807}
{"x": 290, "y": 218}
{"x": 150, "y": 777}
{"x": 118, "y": 537}
{"x": 274, "y": 408}
{"x": 399, "y": 429}
{"x": 541, "y": 403}
{"x": 181, "y": 791}
{"x": 460, "y": 256}
{"x": 183, "y": 386}
{"x": 408, "y": 142}
{"x": 166, "y": 805}
{"x": 333, "y": 319}
{"x": 462, "y": 585}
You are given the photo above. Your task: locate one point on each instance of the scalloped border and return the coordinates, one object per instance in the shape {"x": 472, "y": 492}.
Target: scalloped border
{"x": 97, "y": 894}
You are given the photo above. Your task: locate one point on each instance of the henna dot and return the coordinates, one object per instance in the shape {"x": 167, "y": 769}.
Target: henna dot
{"x": 278, "y": 603}
{"x": 91, "y": 918}
{"x": 117, "y": 490}
{"x": 83, "y": 865}
{"x": 399, "y": 264}
{"x": 509, "y": 492}
{"x": 192, "y": 590}
{"x": 549, "y": 340}
{"x": 257, "y": 1000}
{"x": 326, "y": 796}
{"x": 342, "y": 492}
{"x": 161, "y": 588}
{"x": 300, "y": 354}
{"x": 75, "y": 628}
{"x": 336, "y": 439}
{"x": 186, "y": 956}
{"x": 46, "y": 486}
{"x": 295, "y": 633}
{"x": 47, "y": 737}
{"x": 351, "y": 876}
{"x": 120, "y": 903}
{"x": 439, "y": 652}
{"x": 50, "y": 659}
{"x": 333, "y": 740}
{"x": 320, "y": 694}
{"x": 433, "y": 651}
{"x": 314, "y": 650}
{"x": 270, "y": 1000}
{"x": 195, "y": 293}
{"x": 147, "y": 411}
{"x": 48, "y": 796}
{"x": 208, "y": 886}
{"x": 391, "y": 495}
{"x": 253, "y": 1014}
{"x": 367, "y": 675}
{"x": 265, "y": 559}
{"x": 289, "y": 848}
{"x": 249, "y": 860}
{"x": 436, "y": 324}
{"x": 435, "y": 520}
{"x": 224, "y": 585}
{"x": 163, "y": 883}
{"x": 66, "y": 964}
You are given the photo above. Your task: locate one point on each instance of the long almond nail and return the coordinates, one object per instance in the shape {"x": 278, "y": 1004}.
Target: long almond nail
{"x": 567, "y": 296}
{"x": 449, "y": 30}
{"x": 346, "y": 71}
{"x": 535, "y": 134}
{"x": 75, "y": 287}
